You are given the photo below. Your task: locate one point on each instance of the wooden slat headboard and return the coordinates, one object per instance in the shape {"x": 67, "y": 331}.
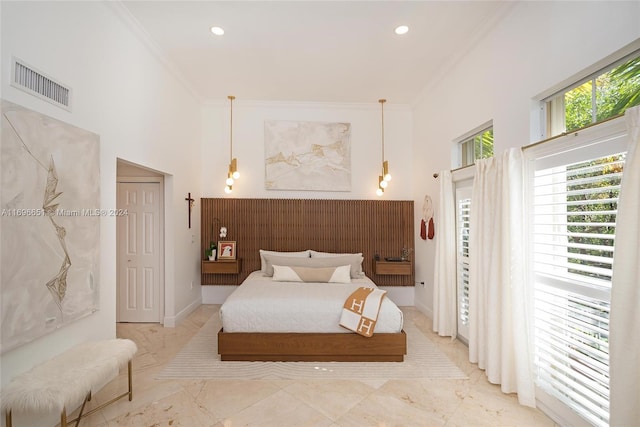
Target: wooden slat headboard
{"x": 372, "y": 227}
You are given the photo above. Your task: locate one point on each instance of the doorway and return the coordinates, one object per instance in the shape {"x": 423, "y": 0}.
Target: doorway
{"x": 140, "y": 243}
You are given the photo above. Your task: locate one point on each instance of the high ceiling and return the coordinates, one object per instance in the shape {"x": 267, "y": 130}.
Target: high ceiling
{"x": 321, "y": 51}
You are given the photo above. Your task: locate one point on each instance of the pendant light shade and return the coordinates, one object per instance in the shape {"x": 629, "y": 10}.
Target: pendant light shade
{"x": 385, "y": 171}
{"x": 234, "y": 168}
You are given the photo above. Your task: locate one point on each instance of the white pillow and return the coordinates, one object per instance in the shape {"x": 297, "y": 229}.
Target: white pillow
{"x": 316, "y": 254}
{"x": 340, "y": 274}
{"x": 263, "y": 262}
{"x": 355, "y": 261}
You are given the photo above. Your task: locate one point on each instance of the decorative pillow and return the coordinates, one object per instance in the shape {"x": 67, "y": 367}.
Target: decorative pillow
{"x": 263, "y": 263}
{"x": 340, "y": 274}
{"x": 316, "y": 254}
{"x": 354, "y": 261}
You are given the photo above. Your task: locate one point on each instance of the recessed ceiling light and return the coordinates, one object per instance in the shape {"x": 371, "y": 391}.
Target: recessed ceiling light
{"x": 402, "y": 29}
{"x": 217, "y": 31}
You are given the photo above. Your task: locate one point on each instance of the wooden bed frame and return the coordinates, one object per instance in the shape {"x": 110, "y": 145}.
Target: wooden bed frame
{"x": 372, "y": 227}
{"x": 311, "y": 347}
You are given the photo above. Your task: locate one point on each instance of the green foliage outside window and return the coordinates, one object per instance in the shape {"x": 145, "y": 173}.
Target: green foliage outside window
{"x": 479, "y": 146}
{"x": 614, "y": 92}
{"x": 484, "y": 144}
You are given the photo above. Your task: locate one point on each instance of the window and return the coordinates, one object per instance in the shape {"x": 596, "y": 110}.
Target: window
{"x": 606, "y": 94}
{"x": 575, "y": 188}
{"x": 477, "y": 146}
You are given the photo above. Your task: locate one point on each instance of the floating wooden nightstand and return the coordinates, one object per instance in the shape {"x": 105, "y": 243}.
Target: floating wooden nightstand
{"x": 399, "y": 268}
{"x": 222, "y": 267}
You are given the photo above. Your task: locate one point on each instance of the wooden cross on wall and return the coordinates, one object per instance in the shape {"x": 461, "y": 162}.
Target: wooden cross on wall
{"x": 190, "y": 201}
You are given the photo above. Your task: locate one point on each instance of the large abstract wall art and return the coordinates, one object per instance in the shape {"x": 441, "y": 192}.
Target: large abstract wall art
{"x": 307, "y": 156}
{"x": 50, "y": 234}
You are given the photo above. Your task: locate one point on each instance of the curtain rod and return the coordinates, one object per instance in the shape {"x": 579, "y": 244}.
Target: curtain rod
{"x": 535, "y": 144}
{"x": 435, "y": 175}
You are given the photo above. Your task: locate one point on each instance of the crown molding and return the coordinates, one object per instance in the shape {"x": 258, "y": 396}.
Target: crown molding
{"x": 138, "y": 30}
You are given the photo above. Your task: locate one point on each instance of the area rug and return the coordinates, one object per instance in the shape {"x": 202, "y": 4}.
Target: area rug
{"x": 199, "y": 359}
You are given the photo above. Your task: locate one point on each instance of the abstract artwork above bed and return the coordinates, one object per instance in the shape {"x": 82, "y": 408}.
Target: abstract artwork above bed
{"x": 50, "y": 222}
{"x": 307, "y": 156}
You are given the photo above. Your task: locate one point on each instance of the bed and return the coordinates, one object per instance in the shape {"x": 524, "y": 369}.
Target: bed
{"x": 268, "y": 319}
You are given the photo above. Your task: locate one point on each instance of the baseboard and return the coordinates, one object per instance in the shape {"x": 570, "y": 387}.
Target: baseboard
{"x": 424, "y": 310}
{"x": 172, "y": 321}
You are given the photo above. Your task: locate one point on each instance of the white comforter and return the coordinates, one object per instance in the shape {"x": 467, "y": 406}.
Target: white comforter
{"x": 260, "y": 304}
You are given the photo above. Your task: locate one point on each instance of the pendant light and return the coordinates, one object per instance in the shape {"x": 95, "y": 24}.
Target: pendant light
{"x": 383, "y": 180}
{"x": 233, "y": 173}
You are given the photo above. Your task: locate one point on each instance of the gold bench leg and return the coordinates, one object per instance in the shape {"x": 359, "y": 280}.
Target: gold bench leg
{"x": 86, "y": 399}
{"x": 7, "y": 418}
{"x": 129, "y": 393}
{"x": 130, "y": 382}
{"x": 63, "y": 418}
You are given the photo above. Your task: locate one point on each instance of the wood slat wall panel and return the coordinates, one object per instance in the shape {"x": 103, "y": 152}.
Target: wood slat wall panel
{"x": 372, "y": 227}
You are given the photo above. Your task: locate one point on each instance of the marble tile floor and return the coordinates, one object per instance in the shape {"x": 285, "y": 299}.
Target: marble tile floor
{"x": 195, "y": 403}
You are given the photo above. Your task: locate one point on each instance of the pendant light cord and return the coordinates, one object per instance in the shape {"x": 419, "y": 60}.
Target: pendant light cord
{"x": 382, "y": 101}
{"x": 231, "y": 98}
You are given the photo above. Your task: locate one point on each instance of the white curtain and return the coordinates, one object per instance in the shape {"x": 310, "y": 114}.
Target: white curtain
{"x": 444, "y": 278}
{"x": 624, "y": 322}
{"x": 500, "y": 302}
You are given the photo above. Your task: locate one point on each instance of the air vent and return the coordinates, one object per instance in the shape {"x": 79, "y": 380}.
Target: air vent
{"x": 26, "y": 78}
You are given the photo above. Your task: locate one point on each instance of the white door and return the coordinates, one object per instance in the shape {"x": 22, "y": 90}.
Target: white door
{"x": 139, "y": 255}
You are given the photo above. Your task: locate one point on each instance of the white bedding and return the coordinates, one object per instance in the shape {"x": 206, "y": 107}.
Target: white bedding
{"x": 261, "y": 304}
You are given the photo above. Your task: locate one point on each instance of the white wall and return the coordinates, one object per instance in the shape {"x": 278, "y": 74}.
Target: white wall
{"x": 248, "y": 147}
{"x": 534, "y": 48}
{"x": 142, "y": 114}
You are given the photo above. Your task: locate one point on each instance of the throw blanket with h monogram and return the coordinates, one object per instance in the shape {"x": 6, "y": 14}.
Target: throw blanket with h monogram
{"x": 360, "y": 310}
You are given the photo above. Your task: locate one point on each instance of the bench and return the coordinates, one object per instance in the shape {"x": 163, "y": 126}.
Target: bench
{"x": 67, "y": 380}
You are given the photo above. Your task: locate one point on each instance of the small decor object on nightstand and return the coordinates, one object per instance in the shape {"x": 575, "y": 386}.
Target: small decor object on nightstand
{"x": 404, "y": 254}
{"x": 227, "y": 250}
{"x": 211, "y": 252}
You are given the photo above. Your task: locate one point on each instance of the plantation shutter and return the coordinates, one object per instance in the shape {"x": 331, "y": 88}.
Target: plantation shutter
{"x": 463, "y": 207}
{"x": 575, "y": 188}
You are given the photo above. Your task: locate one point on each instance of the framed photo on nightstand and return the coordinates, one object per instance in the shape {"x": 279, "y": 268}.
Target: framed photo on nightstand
{"x": 226, "y": 250}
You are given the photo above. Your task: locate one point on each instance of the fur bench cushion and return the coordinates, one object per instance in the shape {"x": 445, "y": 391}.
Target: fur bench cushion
{"x": 65, "y": 380}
